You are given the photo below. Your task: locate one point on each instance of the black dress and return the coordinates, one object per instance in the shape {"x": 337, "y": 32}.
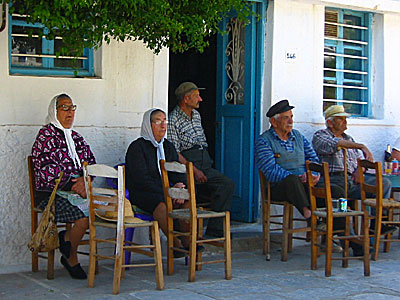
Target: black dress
{"x": 143, "y": 178}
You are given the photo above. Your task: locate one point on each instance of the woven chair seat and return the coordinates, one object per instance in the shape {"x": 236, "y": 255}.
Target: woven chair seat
{"x": 184, "y": 214}
{"x": 385, "y": 203}
{"x": 349, "y": 213}
{"x": 111, "y": 224}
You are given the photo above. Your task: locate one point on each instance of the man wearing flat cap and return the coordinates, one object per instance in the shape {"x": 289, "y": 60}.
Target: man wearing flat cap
{"x": 186, "y": 133}
{"x": 327, "y": 143}
{"x": 281, "y": 153}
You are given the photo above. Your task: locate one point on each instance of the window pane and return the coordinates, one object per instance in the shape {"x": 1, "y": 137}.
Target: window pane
{"x": 22, "y": 44}
{"x": 64, "y": 62}
{"x": 329, "y": 92}
{"x": 68, "y": 63}
{"x": 329, "y": 74}
{"x": 352, "y": 94}
{"x": 353, "y": 64}
{"x": 330, "y": 62}
{"x": 354, "y": 109}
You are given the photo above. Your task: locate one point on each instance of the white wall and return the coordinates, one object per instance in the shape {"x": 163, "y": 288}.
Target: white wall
{"x": 109, "y": 115}
{"x": 298, "y": 25}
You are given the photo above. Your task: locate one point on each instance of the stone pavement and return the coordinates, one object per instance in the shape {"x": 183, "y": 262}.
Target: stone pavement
{"x": 253, "y": 278}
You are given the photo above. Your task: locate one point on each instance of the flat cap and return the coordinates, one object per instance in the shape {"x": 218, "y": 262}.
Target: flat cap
{"x": 184, "y": 88}
{"x": 278, "y": 108}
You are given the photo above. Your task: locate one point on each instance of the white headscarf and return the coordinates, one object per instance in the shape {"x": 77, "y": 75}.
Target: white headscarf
{"x": 147, "y": 133}
{"x": 52, "y": 118}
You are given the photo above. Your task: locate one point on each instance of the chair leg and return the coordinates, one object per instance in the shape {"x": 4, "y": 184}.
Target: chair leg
{"x": 314, "y": 247}
{"x": 285, "y": 227}
{"x": 328, "y": 253}
{"x": 50, "y": 264}
{"x": 170, "y": 245}
{"x": 266, "y": 228}
{"x": 386, "y": 247}
{"x": 199, "y": 257}
{"x": 227, "y": 246}
{"x": 345, "y": 262}
{"x": 192, "y": 251}
{"x": 290, "y": 226}
{"x": 35, "y": 257}
{"x": 377, "y": 236}
{"x": 35, "y": 262}
{"x": 119, "y": 255}
{"x": 157, "y": 256}
{"x": 129, "y": 233}
{"x": 92, "y": 257}
{"x": 356, "y": 226}
{"x": 365, "y": 233}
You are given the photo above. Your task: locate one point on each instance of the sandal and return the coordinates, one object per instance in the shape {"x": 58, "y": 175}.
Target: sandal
{"x": 65, "y": 246}
{"x": 76, "y": 271}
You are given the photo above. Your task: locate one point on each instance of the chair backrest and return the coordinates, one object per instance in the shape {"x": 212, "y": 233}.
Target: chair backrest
{"x": 31, "y": 182}
{"x": 103, "y": 201}
{"x": 188, "y": 193}
{"x": 369, "y": 188}
{"x": 319, "y": 192}
{"x": 265, "y": 187}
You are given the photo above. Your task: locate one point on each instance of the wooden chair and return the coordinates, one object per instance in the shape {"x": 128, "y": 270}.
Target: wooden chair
{"x": 350, "y": 201}
{"x": 328, "y": 215}
{"x": 35, "y": 211}
{"x": 286, "y": 225}
{"x": 194, "y": 216}
{"x": 34, "y": 224}
{"x": 379, "y": 204}
{"x": 112, "y": 200}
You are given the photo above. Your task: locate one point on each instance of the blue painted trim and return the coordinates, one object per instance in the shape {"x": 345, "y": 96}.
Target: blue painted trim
{"x": 47, "y": 72}
{"x": 369, "y": 18}
{"x": 262, "y": 11}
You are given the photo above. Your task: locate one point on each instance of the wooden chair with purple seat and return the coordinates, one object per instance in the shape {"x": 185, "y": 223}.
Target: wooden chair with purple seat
{"x": 107, "y": 209}
{"x": 140, "y": 214}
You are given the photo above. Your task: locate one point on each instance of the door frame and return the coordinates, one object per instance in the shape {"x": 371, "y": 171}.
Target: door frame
{"x": 257, "y": 64}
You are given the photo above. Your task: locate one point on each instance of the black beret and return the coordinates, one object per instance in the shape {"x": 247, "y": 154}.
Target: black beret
{"x": 278, "y": 108}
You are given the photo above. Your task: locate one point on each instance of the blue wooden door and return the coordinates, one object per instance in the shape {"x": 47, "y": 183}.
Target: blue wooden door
{"x": 239, "y": 76}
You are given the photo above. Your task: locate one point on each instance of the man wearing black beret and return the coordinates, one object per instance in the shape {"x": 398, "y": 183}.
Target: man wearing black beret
{"x": 287, "y": 173}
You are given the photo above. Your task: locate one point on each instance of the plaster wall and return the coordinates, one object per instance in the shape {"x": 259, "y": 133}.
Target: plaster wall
{"x": 297, "y": 27}
{"x": 130, "y": 79}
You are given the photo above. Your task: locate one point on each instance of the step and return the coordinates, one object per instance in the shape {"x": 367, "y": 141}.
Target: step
{"x": 248, "y": 237}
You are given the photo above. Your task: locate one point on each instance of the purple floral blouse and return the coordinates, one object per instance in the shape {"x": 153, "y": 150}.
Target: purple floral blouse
{"x": 50, "y": 157}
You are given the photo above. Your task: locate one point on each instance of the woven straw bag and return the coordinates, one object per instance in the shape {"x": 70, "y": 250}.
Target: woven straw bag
{"x": 45, "y": 237}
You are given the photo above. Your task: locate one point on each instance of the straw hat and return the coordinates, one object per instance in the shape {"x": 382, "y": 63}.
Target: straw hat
{"x": 335, "y": 111}
{"x": 112, "y": 216}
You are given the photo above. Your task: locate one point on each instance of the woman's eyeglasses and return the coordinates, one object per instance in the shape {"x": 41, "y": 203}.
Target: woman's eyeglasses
{"x": 159, "y": 122}
{"x": 67, "y": 107}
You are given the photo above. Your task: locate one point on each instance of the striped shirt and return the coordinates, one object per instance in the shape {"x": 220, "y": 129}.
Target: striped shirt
{"x": 266, "y": 161}
{"x": 184, "y": 132}
{"x": 325, "y": 144}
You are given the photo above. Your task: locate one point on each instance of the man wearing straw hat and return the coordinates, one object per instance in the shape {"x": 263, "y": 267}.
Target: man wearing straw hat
{"x": 328, "y": 142}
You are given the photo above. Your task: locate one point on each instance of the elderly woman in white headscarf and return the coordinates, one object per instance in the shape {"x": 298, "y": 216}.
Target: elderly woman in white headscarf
{"x": 143, "y": 176}
{"x": 59, "y": 148}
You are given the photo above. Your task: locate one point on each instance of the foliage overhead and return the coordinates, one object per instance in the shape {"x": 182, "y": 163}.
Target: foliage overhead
{"x": 177, "y": 24}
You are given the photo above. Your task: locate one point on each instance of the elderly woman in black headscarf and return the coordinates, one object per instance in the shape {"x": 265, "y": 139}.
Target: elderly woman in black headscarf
{"x": 143, "y": 174}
